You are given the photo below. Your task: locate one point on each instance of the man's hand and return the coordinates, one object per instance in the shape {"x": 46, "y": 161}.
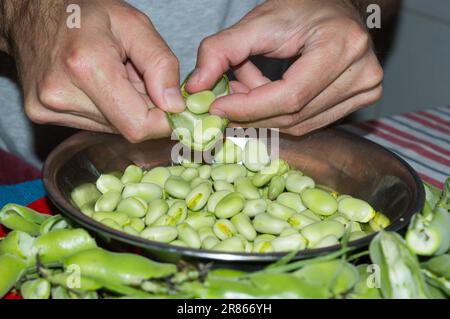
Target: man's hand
{"x": 335, "y": 73}
{"x": 106, "y": 76}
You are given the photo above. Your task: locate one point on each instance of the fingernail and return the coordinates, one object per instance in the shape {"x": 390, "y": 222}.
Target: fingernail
{"x": 173, "y": 99}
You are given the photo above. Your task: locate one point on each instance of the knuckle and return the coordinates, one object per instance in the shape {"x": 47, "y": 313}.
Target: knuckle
{"x": 50, "y": 94}
{"x": 208, "y": 44}
{"x": 358, "y": 40}
{"x": 33, "y": 112}
{"x": 375, "y": 74}
{"x": 80, "y": 61}
{"x": 374, "y": 95}
{"x": 134, "y": 133}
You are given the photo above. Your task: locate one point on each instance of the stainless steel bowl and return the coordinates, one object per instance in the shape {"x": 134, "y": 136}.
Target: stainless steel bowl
{"x": 340, "y": 160}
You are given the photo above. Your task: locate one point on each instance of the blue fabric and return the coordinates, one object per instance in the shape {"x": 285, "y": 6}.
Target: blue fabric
{"x": 22, "y": 193}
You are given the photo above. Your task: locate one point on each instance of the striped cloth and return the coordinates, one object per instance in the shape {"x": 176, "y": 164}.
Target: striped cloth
{"x": 421, "y": 138}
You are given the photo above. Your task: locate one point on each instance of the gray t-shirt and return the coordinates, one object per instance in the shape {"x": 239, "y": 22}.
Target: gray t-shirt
{"x": 182, "y": 23}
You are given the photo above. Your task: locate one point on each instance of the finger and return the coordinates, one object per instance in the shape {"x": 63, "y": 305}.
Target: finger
{"x": 329, "y": 116}
{"x": 304, "y": 80}
{"x": 156, "y": 63}
{"x": 238, "y": 87}
{"x": 248, "y": 74}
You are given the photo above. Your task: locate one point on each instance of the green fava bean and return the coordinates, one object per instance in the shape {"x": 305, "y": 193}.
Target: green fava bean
{"x": 326, "y": 241}
{"x": 262, "y": 247}
{"x": 178, "y": 211}
{"x": 131, "y": 231}
{"x": 177, "y": 187}
{"x": 291, "y": 200}
{"x": 199, "y": 220}
{"x": 229, "y": 205}
{"x": 176, "y": 170}
{"x": 87, "y": 209}
{"x": 233, "y": 244}
{"x": 188, "y": 235}
{"x": 311, "y": 215}
{"x": 205, "y": 231}
{"x": 280, "y": 211}
{"x": 204, "y": 171}
{"x": 189, "y": 174}
{"x": 276, "y": 187}
{"x": 315, "y": 232}
{"x": 224, "y": 229}
{"x": 354, "y": 226}
{"x": 133, "y": 207}
{"x": 289, "y": 231}
{"x": 289, "y": 243}
{"x": 109, "y": 183}
{"x": 221, "y": 185}
{"x": 178, "y": 243}
{"x": 118, "y": 217}
{"x": 198, "y": 197}
{"x": 340, "y": 218}
{"x": 209, "y": 242}
{"x": 245, "y": 187}
{"x": 123, "y": 268}
{"x": 255, "y": 155}
{"x": 156, "y": 209}
{"x": 17, "y": 217}
{"x": 35, "y": 289}
{"x": 60, "y": 243}
{"x": 264, "y": 237}
{"x": 244, "y": 226}
{"x": 132, "y": 174}
{"x": 137, "y": 223}
{"x": 296, "y": 183}
{"x": 206, "y": 131}
{"x": 108, "y": 202}
{"x": 17, "y": 243}
{"x": 229, "y": 153}
{"x": 111, "y": 224}
{"x": 159, "y": 175}
{"x": 198, "y": 180}
{"x": 357, "y": 235}
{"x": 263, "y": 177}
{"x": 379, "y": 222}
{"x": 54, "y": 222}
{"x": 341, "y": 197}
{"x": 12, "y": 268}
{"x": 228, "y": 172}
{"x": 356, "y": 210}
{"x": 299, "y": 220}
{"x": 163, "y": 234}
{"x": 319, "y": 201}
{"x": 254, "y": 207}
{"x": 146, "y": 191}
{"x": 85, "y": 194}
{"x": 199, "y": 103}
{"x": 264, "y": 223}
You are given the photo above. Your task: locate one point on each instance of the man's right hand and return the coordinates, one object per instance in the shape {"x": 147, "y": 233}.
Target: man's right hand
{"x": 113, "y": 74}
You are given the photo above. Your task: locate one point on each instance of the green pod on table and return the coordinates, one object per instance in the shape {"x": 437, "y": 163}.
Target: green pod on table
{"x": 133, "y": 206}
{"x": 336, "y": 276}
{"x": 327, "y": 241}
{"x": 205, "y": 231}
{"x": 244, "y": 226}
{"x": 319, "y": 201}
{"x": 156, "y": 209}
{"x": 255, "y": 155}
{"x": 208, "y": 129}
{"x": 85, "y": 194}
{"x": 230, "y": 205}
{"x": 264, "y": 223}
{"x": 163, "y": 234}
{"x": 221, "y": 185}
{"x": 229, "y": 153}
{"x": 276, "y": 187}
{"x": 159, "y": 175}
{"x": 52, "y": 223}
{"x": 60, "y": 243}
{"x": 204, "y": 171}
{"x": 365, "y": 288}
{"x": 177, "y": 187}
{"x": 224, "y": 229}
{"x": 439, "y": 266}
{"x": 17, "y": 217}
{"x": 108, "y": 202}
{"x": 198, "y": 197}
{"x": 120, "y": 268}
{"x": 146, "y": 191}
{"x": 315, "y": 232}
{"x": 245, "y": 187}
{"x": 17, "y": 243}
{"x": 109, "y": 183}
{"x": 254, "y": 207}
{"x": 228, "y": 172}
{"x": 233, "y": 244}
{"x": 36, "y": 289}
{"x": 291, "y": 200}
{"x": 11, "y": 269}
{"x": 178, "y": 211}
{"x": 289, "y": 243}
{"x": 379, "y": 222}
{"x": 297, "y": 183}
{"x": 356, "y": 210}
{"x": 280, "y": 211}
{"x": 69, "y": 279}
{"x": 189, "y": 174}
{"x": 120, "y": 218}
{"x": 188, "y": 235}
{"x": 199, "y": 220}
{"x": 400, "y": 272}
{"x": 199, "y": 103}
{"x": 300, "y": 220}
{"x": 209, "y": 242}
{"x": 132, "y": 174}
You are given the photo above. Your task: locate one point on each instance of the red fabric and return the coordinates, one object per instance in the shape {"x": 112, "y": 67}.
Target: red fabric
{"x": 14, "y": 170}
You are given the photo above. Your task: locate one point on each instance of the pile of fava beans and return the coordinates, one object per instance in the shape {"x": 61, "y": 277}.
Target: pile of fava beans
{"x": 244, "y": 202}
